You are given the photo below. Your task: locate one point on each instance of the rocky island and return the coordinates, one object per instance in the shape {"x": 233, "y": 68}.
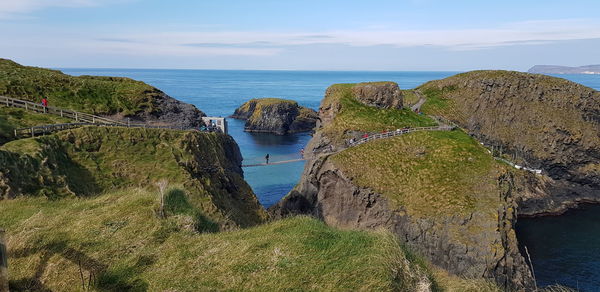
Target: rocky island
{"x": 455, "y": 196}
{"x": 275, "y": 115}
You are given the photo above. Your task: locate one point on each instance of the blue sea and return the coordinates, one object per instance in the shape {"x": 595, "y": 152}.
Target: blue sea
{"x": 557, "y": 258}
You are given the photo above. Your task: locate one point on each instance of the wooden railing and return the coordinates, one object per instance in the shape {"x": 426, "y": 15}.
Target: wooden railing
{"x": 46, "y": 129}
{"x": 65, "y": 113}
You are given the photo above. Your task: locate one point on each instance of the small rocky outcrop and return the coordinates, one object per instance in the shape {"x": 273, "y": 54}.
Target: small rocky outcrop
{"x": 540, "y": 121}
{"x": 167, "y": 111}
{"x": 278, "y": 116}
{"x": 379, "y": 94}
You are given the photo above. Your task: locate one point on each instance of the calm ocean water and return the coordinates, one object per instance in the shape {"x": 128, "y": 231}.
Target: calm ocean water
{"x": 560, "y": 253}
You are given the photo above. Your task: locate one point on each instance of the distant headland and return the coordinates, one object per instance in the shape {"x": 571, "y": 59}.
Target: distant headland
{"x": 553, "y": 69}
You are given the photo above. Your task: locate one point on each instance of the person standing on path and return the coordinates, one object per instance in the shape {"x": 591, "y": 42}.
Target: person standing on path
{"x": 44, "y": 103}
{"x": 267, "y": 158}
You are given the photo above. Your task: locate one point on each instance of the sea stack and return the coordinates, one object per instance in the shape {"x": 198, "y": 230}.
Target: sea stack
{"x": 275, "y": 115}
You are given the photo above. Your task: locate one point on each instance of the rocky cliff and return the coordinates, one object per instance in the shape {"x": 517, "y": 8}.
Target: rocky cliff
{"x": 538, "y": 121}
{"x": 114, "y": 97}
{"x": 441, "y": 193}
{"x": 91, "y": 160}
{"x": 273, "y": 115}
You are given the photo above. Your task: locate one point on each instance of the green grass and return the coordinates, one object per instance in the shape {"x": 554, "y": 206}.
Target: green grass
{"x": 119, "y": 239}
{"x": 410, "y": 97}
{"x": 96, "y": 95}
{"x": 427, "y": 173}
{"x": 92, "y": 160}
{"x": 356, "y": 116}
{"x": 13, "y": 118}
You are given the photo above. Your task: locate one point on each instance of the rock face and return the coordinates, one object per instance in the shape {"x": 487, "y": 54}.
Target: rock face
{"x": 379, "y": 94}
{"x": 92, "y": 160}
{"x": 478, "y": 243}
{"x": 540, "y": 121}
{"x": 166, "y": 111}
{"x": 278, "y": 116}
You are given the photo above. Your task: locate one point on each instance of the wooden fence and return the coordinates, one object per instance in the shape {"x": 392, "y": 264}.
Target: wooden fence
{"x": 46, "y": 129}
{"x": 65, "y": 113}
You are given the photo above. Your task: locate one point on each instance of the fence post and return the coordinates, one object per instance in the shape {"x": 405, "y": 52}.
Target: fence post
{"x": 76, "y": 117}
{"x": 3, "y": 263}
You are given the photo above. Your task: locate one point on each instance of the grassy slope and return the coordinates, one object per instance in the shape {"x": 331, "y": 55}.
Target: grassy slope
{"x": 118, "y": 237}
{"x": 356, "y": 116}
{"x": 99, "y": 95}
{"x": 429, "y": 173}
{"x": 410, "y": 97}
{"x": 12, "y": 118}
{"x": 91, "y": 160}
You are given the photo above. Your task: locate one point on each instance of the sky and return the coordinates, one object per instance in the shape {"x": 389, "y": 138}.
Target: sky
{"x": 400, "y": 35}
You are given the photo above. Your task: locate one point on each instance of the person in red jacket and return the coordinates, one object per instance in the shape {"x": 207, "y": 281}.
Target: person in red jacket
{"x": 44, "y": 103}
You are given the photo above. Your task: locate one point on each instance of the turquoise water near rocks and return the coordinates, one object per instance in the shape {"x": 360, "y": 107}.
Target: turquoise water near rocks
{"x": 564, "y": 249}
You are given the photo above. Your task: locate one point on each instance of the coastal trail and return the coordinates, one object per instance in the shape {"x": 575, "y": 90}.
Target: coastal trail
{"x": 80, "y": 119}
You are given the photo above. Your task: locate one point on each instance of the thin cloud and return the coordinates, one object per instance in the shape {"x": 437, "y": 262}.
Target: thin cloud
{"x": 16, "y": 8}
{"x": 522, "y": 33}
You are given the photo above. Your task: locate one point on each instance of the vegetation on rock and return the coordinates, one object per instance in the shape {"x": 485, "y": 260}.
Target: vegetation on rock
{"x": 343, "y": 113}
{"x": 13, "y": 118}
{"x": 275, "y": 115}
{"x": 117, "y": 243}
{"x": 432, "y": 174}
{"x": 538, "y": 121}
{"x": 109, "y": 96}
{"x": 92, "y": 160}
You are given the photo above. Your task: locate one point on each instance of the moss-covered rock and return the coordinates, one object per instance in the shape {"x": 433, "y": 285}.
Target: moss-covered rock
{"x": 92, "y": 160}
{"x": 538, "y": 121}
{"x": 114, "y": 97}
{"x": 275, "y": 115}
{"x": 441, "y": 193}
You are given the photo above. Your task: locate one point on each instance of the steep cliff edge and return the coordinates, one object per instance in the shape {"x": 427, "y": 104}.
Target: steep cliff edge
{"x": 115, "y": 97}
{"x": 89, "y": 161}
{"x": 538, "y": 121}
{"x": 274, "y": 115}
{"x": 441, "y": 193}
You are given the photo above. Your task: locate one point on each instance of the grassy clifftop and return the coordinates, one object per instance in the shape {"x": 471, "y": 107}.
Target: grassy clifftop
{"x": 546, "y": 122}
{"x": 118, "y": 239}
{"x": 343, "y": 113}
{"x": 93, "y": 94}
{"x": 90, "y": 161}
{"x": 12, "y": 118}
{"x": 428, "y": 174}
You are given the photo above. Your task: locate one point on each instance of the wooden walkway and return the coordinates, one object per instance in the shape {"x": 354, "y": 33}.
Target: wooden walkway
{"x": 65, "y": 113}
{"x": 80, "y": 119}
